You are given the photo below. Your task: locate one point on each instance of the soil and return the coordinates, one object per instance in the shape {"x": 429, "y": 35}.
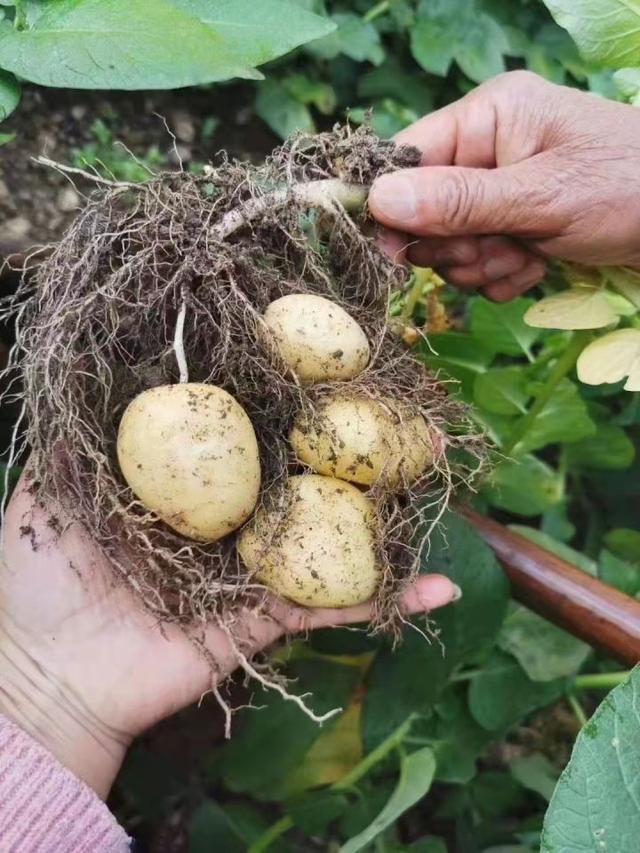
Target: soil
{"x": 37, "y": 203}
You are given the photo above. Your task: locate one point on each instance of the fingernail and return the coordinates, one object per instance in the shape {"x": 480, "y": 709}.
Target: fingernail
{"x": 394, "y": 197}
{"x": 496, "y": 268}
{"x": 457, "y": 593}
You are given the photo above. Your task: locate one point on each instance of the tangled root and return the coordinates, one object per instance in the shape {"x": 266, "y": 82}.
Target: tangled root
{"x": 167, "y": 281}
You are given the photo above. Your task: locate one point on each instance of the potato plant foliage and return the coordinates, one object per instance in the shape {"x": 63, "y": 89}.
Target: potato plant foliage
{"x": 455, "y": 745}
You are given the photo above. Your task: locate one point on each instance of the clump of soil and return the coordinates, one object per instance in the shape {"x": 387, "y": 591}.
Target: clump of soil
{"x": 97, "y": 325}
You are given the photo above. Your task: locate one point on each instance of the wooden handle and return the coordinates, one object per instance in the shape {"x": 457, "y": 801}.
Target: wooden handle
{"x": 581, "y": 604}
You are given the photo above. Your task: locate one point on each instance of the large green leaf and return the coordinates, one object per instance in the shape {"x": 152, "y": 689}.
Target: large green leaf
{"x": 596, "y": 805}
{"x": 526, "y": 486}
{"x": 471, "y": 624}
{"x": 565, "y": 418}
{"x": 606, "y": 31}
{"x": 609, "y": 447}
{"x": 153, "y": 44}
{"x": 501, "y": 695}
{"x": 544, "y": 651}
{"x": 416, "y": 775}
{"x": 281, "y": 110}
{"x": 258, "y": 30}
{"x": 9, "y": 94}
{"x": 414, "y": 673}
{"x": 353, "y": 37}
{"x": 279, "y": 732}
{"x": 502, "y": 391}
{"x": 501, "y": 328}
{"x": 536, "y": 773}
{"x": 448, "y": 30}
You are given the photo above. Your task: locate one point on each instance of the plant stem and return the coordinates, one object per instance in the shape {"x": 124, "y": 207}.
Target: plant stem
{"x": 329, "y": 194}
{"x": 599, "y": 680}
{"x": 20, "y": 19}
{"x": 562, "y": 367}
{"x": 577, "y": 709}
{"x": 348, "y": 781}
{"x": 377, "y": 11}
{"x": 375, "y": 756}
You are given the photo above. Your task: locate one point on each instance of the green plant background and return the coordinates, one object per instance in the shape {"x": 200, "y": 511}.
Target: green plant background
{"x": 435, "y": 751}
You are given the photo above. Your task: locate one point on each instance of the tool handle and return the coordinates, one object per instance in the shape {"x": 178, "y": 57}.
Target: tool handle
{"x": 570, "y": 598}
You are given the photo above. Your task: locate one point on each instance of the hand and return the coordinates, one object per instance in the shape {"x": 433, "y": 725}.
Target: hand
{"x": 517, "y": 171}
{"x": 84, "y": 669}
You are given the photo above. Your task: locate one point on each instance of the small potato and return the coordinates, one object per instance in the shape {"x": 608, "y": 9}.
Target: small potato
{"x": 317, "y": 338}
{"x": 319, "y": 551}
{"x": 363, "y": 441}
{"x": 189, "y": 453}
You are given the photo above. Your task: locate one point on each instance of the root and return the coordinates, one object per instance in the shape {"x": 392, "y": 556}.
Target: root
{"x": 273, "y": 683}
{"x": 168, "y": 281}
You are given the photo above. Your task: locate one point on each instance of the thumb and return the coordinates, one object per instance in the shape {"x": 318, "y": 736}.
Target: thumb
{"x": 450, "y": 200}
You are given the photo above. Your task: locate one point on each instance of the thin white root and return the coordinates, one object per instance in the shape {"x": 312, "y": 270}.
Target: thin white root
{"x": 73, "y": 170}
{"x": 330, "y": 194}
{"x": 268, "y": 684}
{"x": 226, "y": 709}
{"x": 178, "y": 344}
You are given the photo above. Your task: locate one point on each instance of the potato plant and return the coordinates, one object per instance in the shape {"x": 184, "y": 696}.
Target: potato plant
{"x": 434, "y": 751}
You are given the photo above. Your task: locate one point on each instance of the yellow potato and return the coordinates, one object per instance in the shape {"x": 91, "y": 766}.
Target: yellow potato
{"x": 317, "y": 338}
{"x": 189, "y": 453}
{"x": 363, "y": 441}
{"x": 320, "y": 550}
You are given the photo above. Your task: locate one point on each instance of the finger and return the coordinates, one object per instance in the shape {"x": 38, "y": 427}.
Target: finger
{"x": 392, "y": 244}
{"x": 451, "y": 201}
{"x": 499, "y": 257}
{"x": 444, "y": 251}
{"x": 502, "y": 121}
{"x": 427, "y": 593}
{"x": 515, "y": 285}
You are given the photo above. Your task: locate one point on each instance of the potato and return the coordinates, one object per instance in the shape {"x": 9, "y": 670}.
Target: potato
{"x": 362, "y": 440}
{"x": 317, "y": 338}
{"x": 320, "y": 550}
{"x": 189, "y": 453}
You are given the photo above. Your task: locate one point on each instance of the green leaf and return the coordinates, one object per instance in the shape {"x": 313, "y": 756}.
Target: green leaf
{"x": 501, "y": 695}
{"x": 624, "y": 543}
{"x": 457, "y": 739}
{"x": 471, "y": 624}
{"x": 565, "y": 418}
{"x": 9, "y": 94}
{"x": 106, "y": 44}
{"x": 597, "y": 800}
{"x": 502, "y": 391}
{"x": 608, "y": 448}
{"x": 544, "y": 651}
{"x": 280, "y": 110}
{"x": 388, "y": 118}
{"x": 458, "y": 30}
{"x": 536, "y": 773}
{"x": 414, "y": 673}
{"x": 391, "y": 80}
{"x": 501, "y": 328}
{"x": 279, "y": 732}
{"x": 314, "y": 811}
{"x": 210, "y": 830}
{"x": 619, "y": 573}
{"x": 460, "y": 356}
{"x": 416, "y": 775}
{"x": 525, "y": 486}
{"x": 258, "y": 30}
{"x": 606, "y": 31}
{"x": 6, "y": 137}
{"x": 313, "y": 92}
{"x": 352, "y": 36}
{"x": 560, "y": 549}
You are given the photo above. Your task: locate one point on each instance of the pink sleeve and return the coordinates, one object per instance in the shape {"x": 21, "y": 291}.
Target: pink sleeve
{"x": 44, "y": 808}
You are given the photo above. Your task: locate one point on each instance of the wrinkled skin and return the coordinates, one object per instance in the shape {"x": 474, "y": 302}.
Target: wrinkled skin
{"x": 518, "y": 171}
